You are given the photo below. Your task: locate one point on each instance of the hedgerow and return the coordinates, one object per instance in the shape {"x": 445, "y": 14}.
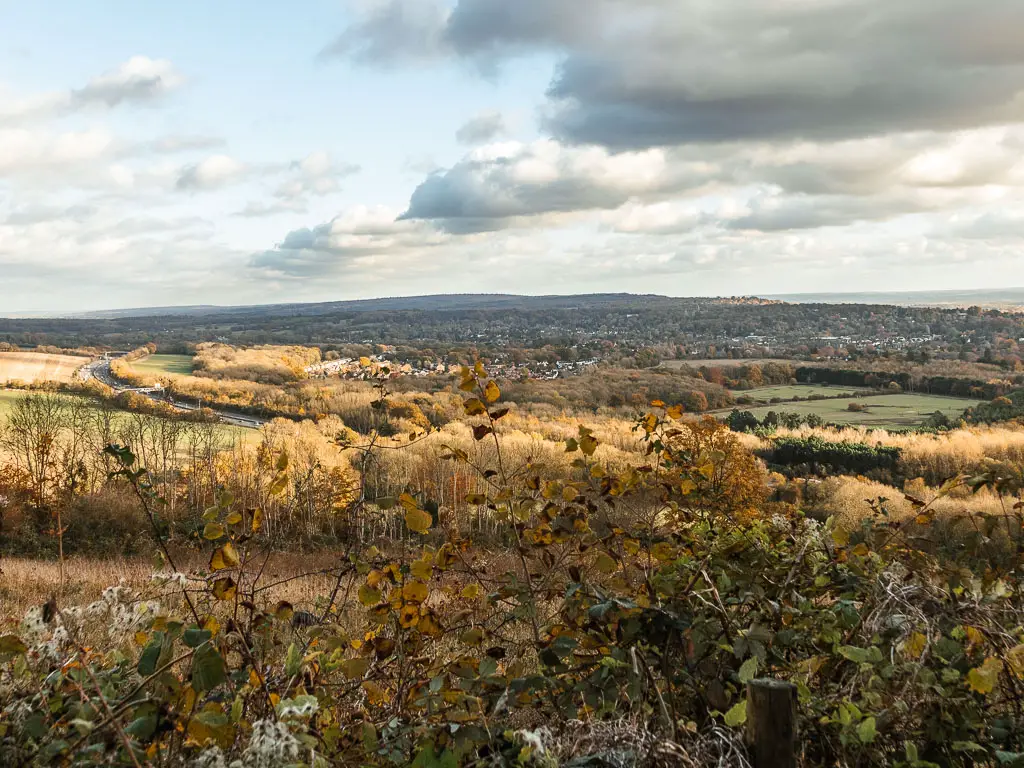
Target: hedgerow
{"x": 617, "y": 627}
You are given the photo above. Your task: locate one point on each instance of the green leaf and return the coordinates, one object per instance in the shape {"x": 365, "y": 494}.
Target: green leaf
{"x": 749, "y": 670}
{"x": 207, "y": 669}
{"x": 293, "y": 662}
{"x": 737, "y": 715}
{"x": 194, "y": 637}
{"x": 151, "y": 655}
{"x": 858, "y": 655}
{"x": 866, "y": 730}
{"x": 12, "y": 645}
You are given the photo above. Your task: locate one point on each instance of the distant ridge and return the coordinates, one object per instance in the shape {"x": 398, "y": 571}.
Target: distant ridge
{"x": 1002, "y": 298}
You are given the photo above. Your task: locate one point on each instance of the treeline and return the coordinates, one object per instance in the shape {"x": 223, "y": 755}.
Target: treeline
{"x": 816, "y": 456}
{"x": 906, "y": 381}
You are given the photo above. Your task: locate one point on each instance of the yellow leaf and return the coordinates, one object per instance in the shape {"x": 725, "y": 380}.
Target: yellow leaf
{"x": 418, "y": 520}
{"x": 213, "y": 531}
{"x": 374, "y": 693}
{"x": 364, "y": 361}
{"x": 915, "y": 645}
{"x": 841, "y": 537}
{"x": 479, "y": 370}
{"x": 605, "y": 563}
{"x": 408, "y": 502}
{"x": 225, "y": 557}
{"x": 983, "y": 679}
{"x": 491, "y": 392}
{"x": 234, "y": 518}
{"x": 471, "y": 591}
{"x": 374, "y": 577}
{"x": 632, "y": 546}
{"x": 409, "y": 616}
{"x": 675, "y": 412}
{"x": 257, "y": 519}
{"x": 141, "y": 638}
{"x": 430, "y": 626}
{"x": 211, "y": 625}
{"x": 1015, "y": 660}
{"x": 284, "y": 611}
{"x": 663, "y": 551}
{"x": 422, "y": 569}
{"x": 368, "y": 595}
{"x": 354, "y": 669}
{"x": 588, "y": 445}
{"x": 475, "y": 407}
{"x": 974, "y": 636}
{"x": 225, "y": 588}
{"x": 415, "y": 591}
{"x": 473, "y": 636}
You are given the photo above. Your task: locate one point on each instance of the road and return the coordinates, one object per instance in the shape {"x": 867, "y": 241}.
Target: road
{"x": 100, "y": 370}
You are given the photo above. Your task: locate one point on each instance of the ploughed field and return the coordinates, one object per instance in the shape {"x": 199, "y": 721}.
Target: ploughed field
{"x": 35, "y": 366}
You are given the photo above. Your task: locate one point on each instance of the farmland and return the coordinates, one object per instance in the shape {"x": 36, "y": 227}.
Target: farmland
{"x": 900, "y": 411}
{"x": 34, "y": 366}
{"x": 164, "y": 365}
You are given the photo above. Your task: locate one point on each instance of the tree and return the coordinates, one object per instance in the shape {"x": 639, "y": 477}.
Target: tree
{"x": 731, "y": 481}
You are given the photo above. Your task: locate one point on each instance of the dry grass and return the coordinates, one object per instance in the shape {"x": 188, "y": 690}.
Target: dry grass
{"x": 27, "y": 582}
{"x": 32, "y": 367}
{"x": 936, "y": 456}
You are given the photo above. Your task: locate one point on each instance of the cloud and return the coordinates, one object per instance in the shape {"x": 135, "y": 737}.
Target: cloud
{"x": 391, "y": 32}
{"x": 666, "y": 72}
{"x": 497, "y": 184}
{"x": 359, "y": 235}
{"x": 139, "y": 80}
{"x": 482, "y": 129}
{"x": 211, "y": 173}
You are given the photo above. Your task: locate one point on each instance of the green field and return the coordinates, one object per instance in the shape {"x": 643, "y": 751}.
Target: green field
{"x": 791, "y": 391}
{"x": 163, "y": 365}
{"x": 882, "y": 411}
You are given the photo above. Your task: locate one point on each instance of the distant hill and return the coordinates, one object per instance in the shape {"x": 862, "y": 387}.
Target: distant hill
{"x": 461, "y": 301}
{"x": 1005, "y": 298}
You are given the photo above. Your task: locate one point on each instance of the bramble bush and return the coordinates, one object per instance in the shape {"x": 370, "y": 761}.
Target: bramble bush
{"x": 617, "y": 626}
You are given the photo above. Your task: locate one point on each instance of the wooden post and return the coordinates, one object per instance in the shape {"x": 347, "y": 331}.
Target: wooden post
{"x": 771, "y": 723}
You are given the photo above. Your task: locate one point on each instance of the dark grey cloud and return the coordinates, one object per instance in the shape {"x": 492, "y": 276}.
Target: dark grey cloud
{"x": 643, "y": 73}
{"x": 485, "y": 127}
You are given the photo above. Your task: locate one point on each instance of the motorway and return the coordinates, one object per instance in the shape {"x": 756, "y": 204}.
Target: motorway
{"x": 100, "y": 370}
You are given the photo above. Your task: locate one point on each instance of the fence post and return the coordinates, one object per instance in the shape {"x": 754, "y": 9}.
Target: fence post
{"x": 771, "y": 723}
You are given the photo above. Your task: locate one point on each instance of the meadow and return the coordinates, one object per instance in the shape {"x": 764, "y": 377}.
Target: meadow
{"x": 35, "y": 366}
{"x": 163, "y": 365}
{"x": 898, "y": 411}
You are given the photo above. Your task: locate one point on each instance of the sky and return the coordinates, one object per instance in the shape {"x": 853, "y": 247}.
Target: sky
{"x": 158, "y": 154}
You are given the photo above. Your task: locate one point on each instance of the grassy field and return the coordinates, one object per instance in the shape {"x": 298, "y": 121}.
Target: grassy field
{"x": 34, "y": 366}
{"x": 881, "y": 411}
{"x": 164, "y": 365}
{"x": 789, "y": 392}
